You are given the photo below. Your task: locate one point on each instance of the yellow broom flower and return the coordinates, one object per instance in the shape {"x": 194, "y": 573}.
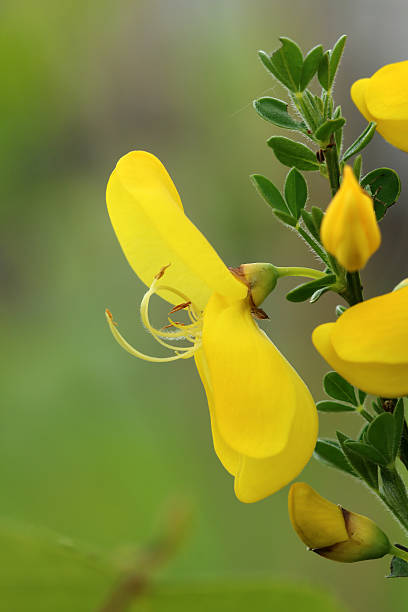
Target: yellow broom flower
{"x": 263, "y": 418}
{"x": 332, "y": 531}
{"x": 368, "y": 344}
{"x": 383, "y": 98}
{"x": 349, "y": 229}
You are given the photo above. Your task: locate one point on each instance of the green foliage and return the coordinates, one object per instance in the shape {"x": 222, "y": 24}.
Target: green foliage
{"x": 310, "y": 224}
{"x": 332, "y": 406}
{"x": 295, "y": 192}
{"x": 329, "y": 127}
{"x": 329, "y": 64}
{"x": 384, "y": 186}
{"x": 338, "y": 388}
{"x": 270, "y": 193}
{"x": 310, "y": 66}
{"x": 306, "y": 290}
{"x": 324, "y": 71}
{"x": 329, "y": 452}
{"x": 276, "y": 111}
{"x": 357, "y": 167}
{"x": 293, "y": 154}
{"x": 366, "y": 469}
{"x": 361, "y": 142}
{"x": 398, "y": 568}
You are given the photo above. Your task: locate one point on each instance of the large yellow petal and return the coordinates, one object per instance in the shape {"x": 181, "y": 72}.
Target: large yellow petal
{"x": 229, "y": 458}
{"x": 374, "y": 331}
{"x": 258, "y": 478}
{"x": 153, "y": 231}
{"x": 385, "y": 380}
{"x": 394, "y": 132}
{"x": 254, "y": 398}
{"x": 386, "y": 93}
{"x": 357, "y": 92}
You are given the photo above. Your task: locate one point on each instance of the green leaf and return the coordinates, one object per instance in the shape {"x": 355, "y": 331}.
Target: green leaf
{"x": 384, "y": 186}
{"x": 266, "y": 60}
{"x": 398, "y": 568}
{"x": 287, "y": 63}
{"x": 305, "y": 291}
{"x": 361, "y": 142}
{"x": 361, "y": 396}
{"x": 340, "y": 309}
{"x": 335, "y": 57}
{"x": 381, "y": 435}
{"x": 309, "y": 222}
{"x": 285, "y": 217}
{"x": 269, "y": 192}
{"x": 276, "y": 111}
{"x": 228, "y": 595}
{"x": 329, "y": 452}
{"x": 324, "y": 131}
{"x": 317, "y": 215}
{"x": 331, "y": 406}
{"x": 293, "y": 154}
{"x": 338, "y": 388}
{"x": 324, "y": 71}
{"x": 366, "y": 469}
{"x": 367, "y": 452}
{"x": 295, "y": 192}
{"x": 310, "y": 66}
{"x": 399, "y": 416}
{"x": 357, "y": 167}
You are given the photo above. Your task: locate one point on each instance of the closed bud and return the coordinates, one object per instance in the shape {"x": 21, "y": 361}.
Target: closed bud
{"x": 261, "y": 279}
{"x": 349, "y": 230}
{"x": 333, "y": 532}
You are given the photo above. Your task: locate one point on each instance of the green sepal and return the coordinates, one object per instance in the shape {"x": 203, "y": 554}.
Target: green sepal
{"x": 339, "y": 388}
{"x": 384, "y": 187}
{"x": 329, "y": 127}
{"x": 398, "y": 567}
{"x": 310, "y": 66}
{"x": 331, "y": 406}
{"x": 293, "y": 154}
{"x": 329, "y": 452}
{"x": 276, "y": 111}
{"x": 367, "y": 452}
{"x": 335, "y": 57}
{"x": 382, "y": 434}
{"x": 310, "y": 224}
{"x": 295, "y": 192}
{"x": 305, "y": 291}
{"x": 323, "y": 71}
{"x": 286, "y": 218}
{"x": 361, "y": 142}
{"x": 366, "y": 469}
{"x": 357, "y": 167}
{"x": 269, "y": 192}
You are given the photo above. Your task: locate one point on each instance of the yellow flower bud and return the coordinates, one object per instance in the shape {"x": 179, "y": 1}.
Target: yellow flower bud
{"x": 349, "y": 230}
{"x": 333, "y": 532}
{"x": 368, "y": 344}
{"x": 383, "y": 98}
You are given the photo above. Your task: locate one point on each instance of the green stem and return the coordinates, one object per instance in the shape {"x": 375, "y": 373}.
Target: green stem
{"x": 313, "y": 244}
{"x": 333, "y": 167}
{"x": 300, "y": 271}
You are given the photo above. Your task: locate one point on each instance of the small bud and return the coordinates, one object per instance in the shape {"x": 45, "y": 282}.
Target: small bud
{"x": 261, "y": 279}
{"x": 349, "y": 230}
{"x": 333, "y": 532}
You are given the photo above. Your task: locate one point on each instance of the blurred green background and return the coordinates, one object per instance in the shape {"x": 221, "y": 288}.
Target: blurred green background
{"x": 93, "y": 442}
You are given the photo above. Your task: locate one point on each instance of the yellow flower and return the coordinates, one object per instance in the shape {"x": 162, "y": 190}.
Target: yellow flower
{"x": 331, "y": 531}
{"x": 349, "y": 230}
{"x": 263, "y": 418}
{"x": 368, "y": 344}
{"x": 383, "y": 98}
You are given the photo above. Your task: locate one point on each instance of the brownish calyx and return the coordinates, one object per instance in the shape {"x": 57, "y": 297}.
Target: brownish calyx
{"x": 239, "y": 273}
